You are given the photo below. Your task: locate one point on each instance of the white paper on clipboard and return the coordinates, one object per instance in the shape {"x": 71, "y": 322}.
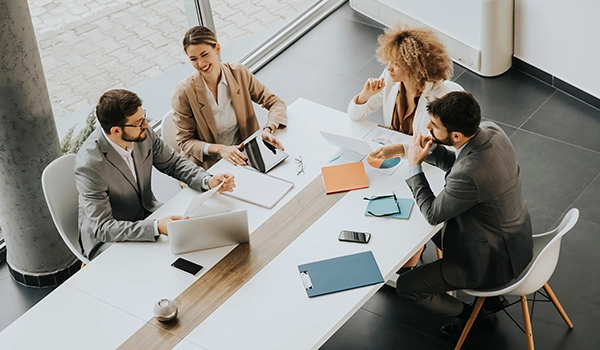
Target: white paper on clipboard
{"x": 199, "y": 199}
{"x": 257, "y": 188}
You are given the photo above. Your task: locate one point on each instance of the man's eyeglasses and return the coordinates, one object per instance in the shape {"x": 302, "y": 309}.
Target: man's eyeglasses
{"x": 299, "y": 165}
{"x": 141, "y": 122}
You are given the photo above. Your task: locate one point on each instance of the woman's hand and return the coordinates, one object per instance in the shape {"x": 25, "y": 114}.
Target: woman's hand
{"x": 227, "y": 179}
{"x": 389, "y": 151}
{"x": 267, "y": 136}
{"x": 232, "y": 154}
{"x": 371, "y": 88}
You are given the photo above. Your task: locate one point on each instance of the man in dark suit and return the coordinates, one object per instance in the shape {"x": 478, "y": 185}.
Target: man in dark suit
{"x": 113, "y": 172}
{"x": 486, "y": 238}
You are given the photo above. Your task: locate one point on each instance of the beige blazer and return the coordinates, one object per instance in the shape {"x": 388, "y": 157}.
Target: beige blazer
{"x": 194, "y": 119}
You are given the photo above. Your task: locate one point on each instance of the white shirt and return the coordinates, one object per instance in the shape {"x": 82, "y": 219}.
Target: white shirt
{"x": 128, "y": 158}
{"x": 124, "y": 153}
{"x": 224, "y": 114}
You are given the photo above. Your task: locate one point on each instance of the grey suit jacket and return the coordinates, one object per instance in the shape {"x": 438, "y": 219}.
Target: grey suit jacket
{"x": 487, "y": 233}
{"x": 112, "y": 205}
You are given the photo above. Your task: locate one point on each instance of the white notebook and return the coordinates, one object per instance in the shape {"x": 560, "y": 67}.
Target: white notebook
{"x": 257, "y": 188}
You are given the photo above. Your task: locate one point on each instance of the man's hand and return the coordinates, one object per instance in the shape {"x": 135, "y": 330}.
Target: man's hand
{"x": 162, "y": 223}
{"x": 233, "y": 154}
{"x": 371, "y": 88}
{"x": 389, "y": 151}
{"x": 267, "y": 136}
{"x": 227, "y": 179}
{"x": 419, "y": 149}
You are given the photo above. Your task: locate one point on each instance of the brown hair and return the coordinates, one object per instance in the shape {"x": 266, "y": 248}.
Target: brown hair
{"x": 199, "y": 35}
{"x": 418, "y": 52}
{"x": 115, "y": 106}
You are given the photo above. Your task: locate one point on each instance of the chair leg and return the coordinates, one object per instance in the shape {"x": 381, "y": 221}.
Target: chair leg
{"x": 465, "y": 332}
{"x": 439, "y": 252}
{"x": 556, "y": 303}
{"x": 527, "y": 322}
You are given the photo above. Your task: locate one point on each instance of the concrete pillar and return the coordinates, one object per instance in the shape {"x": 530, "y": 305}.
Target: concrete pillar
{"x": 36, "y": 254}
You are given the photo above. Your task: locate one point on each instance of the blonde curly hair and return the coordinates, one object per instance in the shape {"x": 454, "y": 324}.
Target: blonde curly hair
{"x": 418, "y": 52}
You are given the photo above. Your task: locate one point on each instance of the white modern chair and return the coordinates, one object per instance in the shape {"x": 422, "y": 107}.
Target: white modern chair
{"x": 58, "y": 183}
{"x": 546, "y": 249}
{"x": 168, "y": 131}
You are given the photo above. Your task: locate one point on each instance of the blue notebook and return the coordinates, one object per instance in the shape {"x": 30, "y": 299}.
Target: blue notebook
{"x": 339, "y": 274}
{"x": 388, "y": 208}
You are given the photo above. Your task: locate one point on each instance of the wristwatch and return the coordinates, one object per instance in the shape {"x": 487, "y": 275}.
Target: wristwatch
{"x": 204, "y": 183}
{"x": 269, "y": 127}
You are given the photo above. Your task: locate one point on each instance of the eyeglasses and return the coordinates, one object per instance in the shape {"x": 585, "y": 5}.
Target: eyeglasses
{"x": 299, "y": 165}
{"x": 393, "y": 195}
{"x": 142, "y": 125}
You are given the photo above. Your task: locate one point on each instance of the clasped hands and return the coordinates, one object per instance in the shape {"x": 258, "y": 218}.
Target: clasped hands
{"x": 234, "y": 155}
{"x": 418, "y": 150}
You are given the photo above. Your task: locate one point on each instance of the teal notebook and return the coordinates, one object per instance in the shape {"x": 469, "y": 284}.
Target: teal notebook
{"x": 339, "y": 274}
{"x": 387, "y": 207}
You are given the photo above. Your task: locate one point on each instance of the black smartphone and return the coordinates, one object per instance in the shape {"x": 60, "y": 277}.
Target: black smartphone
{"x": 187, "y": 266}
{"x": 354, "y": 236}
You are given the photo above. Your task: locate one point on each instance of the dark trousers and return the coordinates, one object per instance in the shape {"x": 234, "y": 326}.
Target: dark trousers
{"x": 425, "y": 287}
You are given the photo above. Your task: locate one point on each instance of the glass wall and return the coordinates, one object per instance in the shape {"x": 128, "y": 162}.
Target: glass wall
{"x": 90, "y": 46}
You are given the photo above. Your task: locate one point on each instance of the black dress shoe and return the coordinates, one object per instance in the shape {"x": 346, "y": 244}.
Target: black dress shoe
{"x": 482, "y": 325}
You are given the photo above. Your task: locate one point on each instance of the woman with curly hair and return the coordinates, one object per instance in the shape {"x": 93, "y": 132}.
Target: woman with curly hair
{"x": 417, "y": 71}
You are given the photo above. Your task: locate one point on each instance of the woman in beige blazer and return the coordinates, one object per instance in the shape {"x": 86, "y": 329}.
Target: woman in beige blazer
{"x": 213, "y": 109}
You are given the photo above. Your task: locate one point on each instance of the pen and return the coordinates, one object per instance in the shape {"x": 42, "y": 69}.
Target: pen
{"x": 334, "y": 159}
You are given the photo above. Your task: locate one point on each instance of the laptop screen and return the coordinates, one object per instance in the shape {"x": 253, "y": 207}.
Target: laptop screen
{"x": 262, "y": 156}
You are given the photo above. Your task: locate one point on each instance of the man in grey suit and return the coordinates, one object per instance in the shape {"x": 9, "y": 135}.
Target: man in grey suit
{"x": 486, "y": 238}
{"x": 113, "y": 170}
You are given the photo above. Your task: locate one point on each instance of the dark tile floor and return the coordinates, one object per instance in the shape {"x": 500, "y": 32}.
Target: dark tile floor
{"x": 557, "y": 147}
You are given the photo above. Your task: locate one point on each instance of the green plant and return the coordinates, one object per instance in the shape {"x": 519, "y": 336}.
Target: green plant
{"x": 70, "y": 144}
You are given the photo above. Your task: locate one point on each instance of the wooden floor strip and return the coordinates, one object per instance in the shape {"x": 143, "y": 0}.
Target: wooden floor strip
{"x": 222, "y": 281}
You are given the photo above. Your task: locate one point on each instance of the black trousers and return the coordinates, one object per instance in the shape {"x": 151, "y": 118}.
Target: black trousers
{"x": 425, "y": 287}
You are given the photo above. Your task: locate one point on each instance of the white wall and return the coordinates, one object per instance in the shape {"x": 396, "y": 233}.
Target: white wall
{"x": 561, "y": 37}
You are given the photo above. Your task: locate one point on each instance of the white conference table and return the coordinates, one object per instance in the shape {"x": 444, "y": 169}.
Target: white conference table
{"x": 119, "y": 288}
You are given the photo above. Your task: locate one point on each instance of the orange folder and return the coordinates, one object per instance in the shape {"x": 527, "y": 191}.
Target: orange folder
{"x": 344, "y": 177}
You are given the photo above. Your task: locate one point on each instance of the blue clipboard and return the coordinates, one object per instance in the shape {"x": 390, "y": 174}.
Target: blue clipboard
{"x": 387, "y": 207}
{"x": 339, "y": 274}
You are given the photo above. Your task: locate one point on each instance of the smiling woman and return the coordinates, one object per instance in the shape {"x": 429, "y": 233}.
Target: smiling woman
{"x": 206, "y": 135}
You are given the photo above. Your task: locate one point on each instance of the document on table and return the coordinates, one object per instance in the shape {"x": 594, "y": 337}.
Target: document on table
{"x": 199, "y": 199}
{"x": 353, "y": 150}
{"x": 257, "y": 188}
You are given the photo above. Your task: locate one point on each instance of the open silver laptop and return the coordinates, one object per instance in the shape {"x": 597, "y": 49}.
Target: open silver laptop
{"x": 262, "y": 156}
{"x": 207, "y": 232}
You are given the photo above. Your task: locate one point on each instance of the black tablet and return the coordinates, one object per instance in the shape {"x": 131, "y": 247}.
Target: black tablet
{"x": 262, "y": 155}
